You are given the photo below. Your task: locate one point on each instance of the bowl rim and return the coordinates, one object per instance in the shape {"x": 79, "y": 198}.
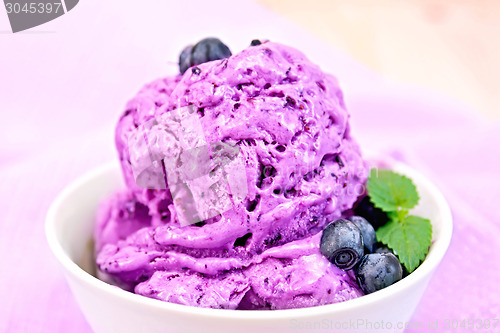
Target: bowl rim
{"x": 432, "y": 260}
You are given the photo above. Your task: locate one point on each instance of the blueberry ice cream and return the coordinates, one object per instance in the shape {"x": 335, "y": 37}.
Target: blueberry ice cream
{"x": 300, "y": 169}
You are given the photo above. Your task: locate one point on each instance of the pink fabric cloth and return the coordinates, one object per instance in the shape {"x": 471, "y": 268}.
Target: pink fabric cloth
{"x": 62, "y": 92}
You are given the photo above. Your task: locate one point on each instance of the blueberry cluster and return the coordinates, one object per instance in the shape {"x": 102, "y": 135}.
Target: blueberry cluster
{"x": 352, "y": 244}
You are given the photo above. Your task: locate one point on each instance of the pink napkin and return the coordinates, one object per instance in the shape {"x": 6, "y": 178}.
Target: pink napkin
{"x": 63, "y": 88}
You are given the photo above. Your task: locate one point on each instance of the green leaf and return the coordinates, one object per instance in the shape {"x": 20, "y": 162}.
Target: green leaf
{"x": 410, "y": 238}
{"x": 389, "y": 190}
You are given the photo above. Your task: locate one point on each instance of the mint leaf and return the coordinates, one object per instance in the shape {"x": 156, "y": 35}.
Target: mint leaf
{"x": 410, "y": 239}
{"x": 390, "y": 191}
{"x": 408, "y": 236}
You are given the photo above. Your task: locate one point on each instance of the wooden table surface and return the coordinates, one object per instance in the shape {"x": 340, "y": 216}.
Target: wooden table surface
{"x": 450, "y": 46}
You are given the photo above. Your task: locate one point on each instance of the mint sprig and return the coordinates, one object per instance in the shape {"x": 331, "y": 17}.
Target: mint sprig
{"x": 409, "y": 236}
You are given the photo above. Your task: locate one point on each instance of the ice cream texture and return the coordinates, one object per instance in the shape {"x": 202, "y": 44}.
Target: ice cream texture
{"x": 302, "y": 170}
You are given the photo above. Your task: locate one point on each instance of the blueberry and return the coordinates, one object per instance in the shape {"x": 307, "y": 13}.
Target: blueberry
{"x": 375, "y": 216}
{"x": 208, "y": 49}
{"x": 196, "y": 70}
{"x": 369, "y": 237}
{"x": 381, "y": 248}
{"x": 377, "y": 271}
{"x": 342, "y": 244}
{"x": 185, "y": 59}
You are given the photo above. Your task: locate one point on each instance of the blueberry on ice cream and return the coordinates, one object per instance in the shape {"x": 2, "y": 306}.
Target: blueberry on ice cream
{"x": 208, "y": 49}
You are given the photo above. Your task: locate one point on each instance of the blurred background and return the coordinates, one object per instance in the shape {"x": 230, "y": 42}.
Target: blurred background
{"x": 460, "y": 39}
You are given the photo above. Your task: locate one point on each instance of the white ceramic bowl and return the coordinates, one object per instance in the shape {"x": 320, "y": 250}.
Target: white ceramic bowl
{"x": 69, "y": 229}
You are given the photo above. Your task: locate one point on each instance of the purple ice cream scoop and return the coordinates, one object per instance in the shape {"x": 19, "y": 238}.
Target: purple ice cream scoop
{"x": 298, "y": 169}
